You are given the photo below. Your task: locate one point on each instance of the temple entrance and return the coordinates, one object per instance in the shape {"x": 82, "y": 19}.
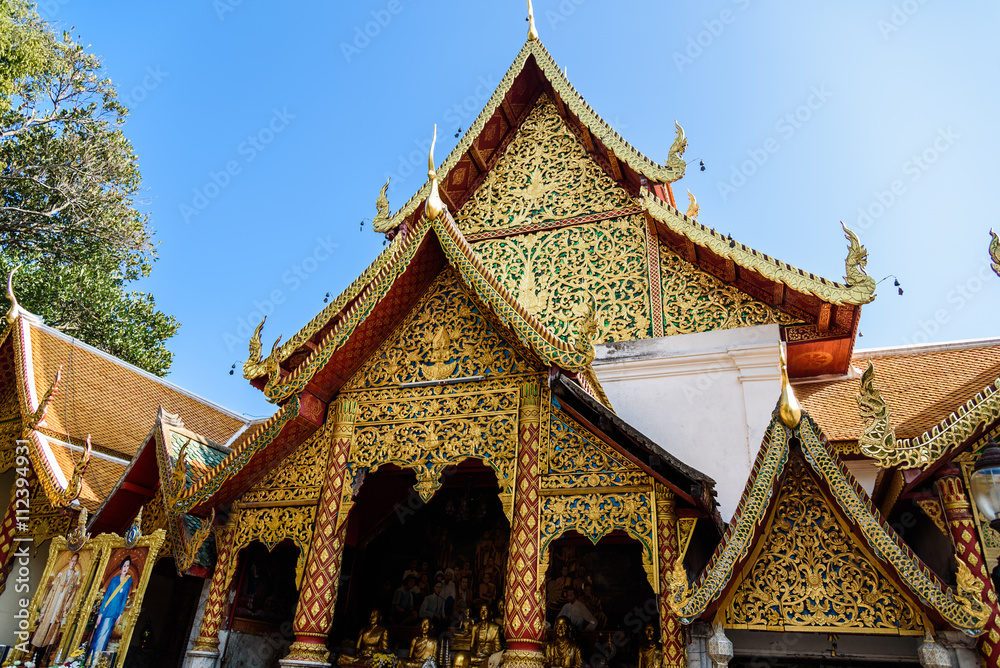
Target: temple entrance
{"x": 168, "y": 609}
{"x": 604, "y": 592}
{"x": 260, "y": 618}
{"x": 412, "y": 560}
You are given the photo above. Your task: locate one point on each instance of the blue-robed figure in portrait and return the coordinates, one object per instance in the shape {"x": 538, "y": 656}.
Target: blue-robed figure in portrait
{"x": 110, "y": 612}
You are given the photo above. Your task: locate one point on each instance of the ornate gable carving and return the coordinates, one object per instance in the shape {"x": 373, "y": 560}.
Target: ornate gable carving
{"x": 695, "y": 301}
{"x": 299, "y": 476}
{"x": 544, "y": 175}
{"x": 447, "y": 335}
{"x": 810, "y": 574}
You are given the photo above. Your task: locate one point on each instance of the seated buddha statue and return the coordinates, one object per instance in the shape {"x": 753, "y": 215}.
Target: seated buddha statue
{"x": 485, "y": 638}
{"x": 650, "y": 654}
{"x": 423, "y": 647}
{"x": 563, "y": 651}
{"x": 373, "y": 638}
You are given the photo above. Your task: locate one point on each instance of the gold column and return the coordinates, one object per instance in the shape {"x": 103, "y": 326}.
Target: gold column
{"x": 318, "y": 596}
{"x": 671, "y": 631}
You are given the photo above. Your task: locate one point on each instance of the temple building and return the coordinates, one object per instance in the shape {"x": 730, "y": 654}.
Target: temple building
{"x": 557, "y": 422}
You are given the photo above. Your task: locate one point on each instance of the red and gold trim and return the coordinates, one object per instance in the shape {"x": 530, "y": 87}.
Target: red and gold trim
{"x": 215, "y": 606}
{"x": 958, "y": 514}
{"x": 318, "y": 596}
{"x": 524, "y": 616}
{"x": 671, "y": 631}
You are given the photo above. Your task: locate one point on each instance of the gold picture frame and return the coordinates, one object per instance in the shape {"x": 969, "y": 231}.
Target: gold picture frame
{"x": 46, "y": 599}
{"x": 113, "y": 549}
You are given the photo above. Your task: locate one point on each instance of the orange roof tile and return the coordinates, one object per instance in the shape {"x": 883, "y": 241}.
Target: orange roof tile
{"x": 115, "y": 402}
{"x": 922, "y": 385}
{"x": 101, "y": 476}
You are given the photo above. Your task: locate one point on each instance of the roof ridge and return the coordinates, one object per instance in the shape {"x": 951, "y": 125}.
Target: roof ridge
{"x": 921, "y": 348}
{"x": 600, "y": 128}
{"x": 460, "y": 254}
{"x": 131, "y": 367}
{"x": 763, "y": 264}
{"x": 690, "y": 602}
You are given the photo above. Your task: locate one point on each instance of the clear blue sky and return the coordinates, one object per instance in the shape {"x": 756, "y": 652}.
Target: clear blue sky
{"x": 309, "y": 118}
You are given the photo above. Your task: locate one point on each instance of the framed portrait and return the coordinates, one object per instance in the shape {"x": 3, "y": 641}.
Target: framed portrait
{"x": 56, "y": 603}
{"x": 111, "y": 607}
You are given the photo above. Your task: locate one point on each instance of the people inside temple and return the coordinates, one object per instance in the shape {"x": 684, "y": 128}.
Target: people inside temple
{"x": 575, "y": 610}
{"x": 563, "y": 651}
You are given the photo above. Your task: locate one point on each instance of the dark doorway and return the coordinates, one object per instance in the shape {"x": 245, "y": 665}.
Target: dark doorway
{"x": 603, "y": 588}
{"x": 399, "y": 547}
{"x": 160, "y": 635}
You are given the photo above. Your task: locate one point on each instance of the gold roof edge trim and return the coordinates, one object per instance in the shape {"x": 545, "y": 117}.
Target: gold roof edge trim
{"x": 528, "y": 329}
{"x": 960, "y": 608}
{"x": 951, "y": 432}
{"x": 860, "y": 292}
{"x": 573, "y": 101}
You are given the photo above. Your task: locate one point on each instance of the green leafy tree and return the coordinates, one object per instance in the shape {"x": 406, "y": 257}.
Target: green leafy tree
{"x": 69, "y": 179}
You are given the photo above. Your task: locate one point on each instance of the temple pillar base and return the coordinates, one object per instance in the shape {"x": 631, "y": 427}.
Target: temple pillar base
{"x": 201, "y": 658}
{"x": 306, "y": 655}
{"x": 524, "y": 658}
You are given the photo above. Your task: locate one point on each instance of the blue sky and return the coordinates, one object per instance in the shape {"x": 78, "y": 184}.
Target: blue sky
{"x": 264, "y": 136}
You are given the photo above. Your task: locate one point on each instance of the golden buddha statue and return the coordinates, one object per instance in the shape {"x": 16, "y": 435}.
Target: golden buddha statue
{"x": 372, "y": 639}
{"x": 650, "y": 653}
{"x": 423, "y": 647}
{"x": 485, "y": 637}
{"x": 563, "y": 652}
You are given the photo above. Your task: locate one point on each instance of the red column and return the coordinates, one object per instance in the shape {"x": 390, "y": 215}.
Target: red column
{"x": 524, "y": 616}
{"x": 965, "y": 536}
{"x": 207, "y": 642}
{"x": 671, "y": 631}
{"x": 318, "y": 594}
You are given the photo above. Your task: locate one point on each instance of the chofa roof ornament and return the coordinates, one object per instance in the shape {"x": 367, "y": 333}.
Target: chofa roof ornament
{"x": 532, "y": 31}
{"x": 434, "y": 205}
{"x": 789, "y": 409}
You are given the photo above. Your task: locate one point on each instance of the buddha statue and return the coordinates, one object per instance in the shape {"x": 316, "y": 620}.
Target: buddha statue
{"x": 650, "y": 653}
{"x": 563, "y": 651}
{"x": 423, "y": 647}
{"x": 485, "y": 637}
{"x": 372, "y": 639}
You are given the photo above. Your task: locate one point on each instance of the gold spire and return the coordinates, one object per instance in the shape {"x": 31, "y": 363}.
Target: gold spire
{"x": 14, "y": 307}
{"x": 995, "y": 251}
{"x": 532, "y": 32}
{"x": 693, "y": 207}
{"x": 789, "y": 409}
{"x": 434, "y": 205}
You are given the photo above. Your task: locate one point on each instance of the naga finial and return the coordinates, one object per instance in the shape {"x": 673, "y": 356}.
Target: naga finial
{"x": 434, "y": 205}
{"x": 789, "y": 409}
{"x": 382, "y": 206}
{"x": 532, "y": 31}
{"x": 255, "y": 365}
{"x": 995, "y": 251}
{"x": 75, "y": 484}
{"x": 675, "y": 163}
{"x": 15, "y": 308}
{"x": 854, "y": 266}
{"x": 43, "y": 406}
{"x": 878, "y": 439}
{"x": 693, "y": 207}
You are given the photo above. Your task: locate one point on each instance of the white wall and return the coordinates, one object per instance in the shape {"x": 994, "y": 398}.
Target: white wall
{"x": 705, "y": 398}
